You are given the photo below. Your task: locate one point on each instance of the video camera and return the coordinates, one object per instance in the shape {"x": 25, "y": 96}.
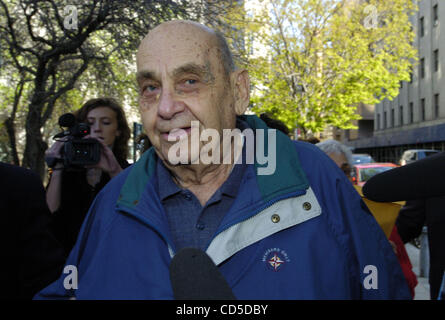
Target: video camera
{"x": 77, "y": 152}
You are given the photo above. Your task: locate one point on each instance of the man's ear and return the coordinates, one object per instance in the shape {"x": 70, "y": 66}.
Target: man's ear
{"x": 241, "y": 90}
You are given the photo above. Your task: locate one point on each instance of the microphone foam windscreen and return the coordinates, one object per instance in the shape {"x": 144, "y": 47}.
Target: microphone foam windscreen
{"x": 194, "y": 276}
{"x": 418, "y": 180}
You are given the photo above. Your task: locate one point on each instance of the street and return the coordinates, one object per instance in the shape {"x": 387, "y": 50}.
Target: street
{"x": 422, "y": 290}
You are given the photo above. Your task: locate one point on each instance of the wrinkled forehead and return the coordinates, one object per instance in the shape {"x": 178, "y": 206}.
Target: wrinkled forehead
{"x": 174, "y": 45}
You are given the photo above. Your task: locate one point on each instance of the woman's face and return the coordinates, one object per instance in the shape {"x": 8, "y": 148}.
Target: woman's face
{"x": 103, "y": 125}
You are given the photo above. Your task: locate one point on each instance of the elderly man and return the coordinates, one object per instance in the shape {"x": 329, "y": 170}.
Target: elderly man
{"x": 296, "y": 230}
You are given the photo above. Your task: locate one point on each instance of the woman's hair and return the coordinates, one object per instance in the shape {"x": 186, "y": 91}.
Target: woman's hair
{"x": 120, "y": 147}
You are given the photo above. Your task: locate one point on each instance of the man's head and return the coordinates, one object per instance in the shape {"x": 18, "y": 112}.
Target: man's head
{"x": 339, "y": 153}
{"x": 186, "y": 73}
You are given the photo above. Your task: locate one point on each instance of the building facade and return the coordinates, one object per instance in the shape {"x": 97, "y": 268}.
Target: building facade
{"x": 415, "y": 119}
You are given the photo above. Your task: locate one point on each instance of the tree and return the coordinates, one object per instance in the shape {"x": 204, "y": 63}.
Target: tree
{"x": 323, "y": 58}
{"x": 47, "y": 46}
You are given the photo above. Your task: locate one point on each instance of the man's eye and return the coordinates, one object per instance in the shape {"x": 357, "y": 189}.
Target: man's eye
{"x": 190, "y": 81}
{"x": 149, "y": 89}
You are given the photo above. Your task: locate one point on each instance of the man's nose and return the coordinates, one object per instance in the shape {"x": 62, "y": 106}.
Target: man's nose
{"x": 169, "y": 104}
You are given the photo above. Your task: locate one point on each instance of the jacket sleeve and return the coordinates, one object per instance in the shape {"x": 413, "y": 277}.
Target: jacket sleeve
{"x": 411, "y": 220}
{"x": 372, "y": 263}
{"x": 371, "y": 266}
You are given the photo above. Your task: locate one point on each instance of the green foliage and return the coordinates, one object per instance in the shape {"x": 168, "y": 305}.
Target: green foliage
{"x": 317, "y": 60}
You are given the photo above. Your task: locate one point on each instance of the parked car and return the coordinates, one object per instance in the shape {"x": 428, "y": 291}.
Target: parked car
{"x": 415, "y": 154}
{"x": 359, "y": 158}
{"x": 363, "y": 172}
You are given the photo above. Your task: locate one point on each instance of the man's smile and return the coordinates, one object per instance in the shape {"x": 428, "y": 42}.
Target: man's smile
{"x": 175, "y": 133}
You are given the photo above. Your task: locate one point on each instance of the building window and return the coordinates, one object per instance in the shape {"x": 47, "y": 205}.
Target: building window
{"x": 436, "y": 106}
{"x": 435, "y": 15}
{"x": 385, "y": 120}
{"x": 422, "y": 68}
{"x": 422, "y": 28}
{"x": 378, "y": 121}
{"x": 411, "y": 112}
{"x": 436, "y": 60}
{"x": 401, "y": 116}
{"x": 411, "y": 77}
{"x": 392, "y": 118}
{"x": 422, "y": 109}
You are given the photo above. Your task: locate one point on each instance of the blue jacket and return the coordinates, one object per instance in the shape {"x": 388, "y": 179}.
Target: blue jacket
{"x": 300, "y": 233}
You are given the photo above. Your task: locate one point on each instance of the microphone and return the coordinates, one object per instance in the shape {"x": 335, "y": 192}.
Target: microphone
{"x": 418, "y": 180}
{"x": 194, "y": 276}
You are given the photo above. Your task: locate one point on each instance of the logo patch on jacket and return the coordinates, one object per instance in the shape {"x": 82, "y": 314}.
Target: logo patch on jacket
{"x": 275, "y": 259}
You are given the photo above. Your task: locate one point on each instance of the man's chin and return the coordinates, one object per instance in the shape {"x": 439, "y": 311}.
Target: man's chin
{"x": 173, "y": 159}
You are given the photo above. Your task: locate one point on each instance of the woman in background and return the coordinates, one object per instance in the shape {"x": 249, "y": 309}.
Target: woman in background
{"x": 70, "y": 192}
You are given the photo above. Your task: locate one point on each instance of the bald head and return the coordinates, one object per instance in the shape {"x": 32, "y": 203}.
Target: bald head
{"x": 172, "y": 31}
{"x": 182, "y": 25}
{"x": 185, "y": 74}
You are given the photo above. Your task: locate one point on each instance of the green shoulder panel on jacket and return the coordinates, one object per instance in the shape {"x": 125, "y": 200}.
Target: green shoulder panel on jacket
{"x": 137, "y": 179}
{"x": 288, "y": 175}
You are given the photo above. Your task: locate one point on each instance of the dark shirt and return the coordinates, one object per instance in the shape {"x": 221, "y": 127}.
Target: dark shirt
{"x": 192, "y": 225}
{"x": 430, "y": 212}
{"x": 76, "y": 198}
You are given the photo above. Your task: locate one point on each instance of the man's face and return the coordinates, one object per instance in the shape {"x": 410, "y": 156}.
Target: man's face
{"x": 181, "y": 79}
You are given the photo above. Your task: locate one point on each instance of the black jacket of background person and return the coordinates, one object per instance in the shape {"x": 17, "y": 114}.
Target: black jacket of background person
{"x": 430, "y": 212}
{"x": 76, "y": 198}
{"x": 31, "y": 256}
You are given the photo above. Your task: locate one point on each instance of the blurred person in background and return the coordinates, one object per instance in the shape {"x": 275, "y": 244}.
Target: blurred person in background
{"x": 342, "y": 156}
{"x": 274, "y": 123}
{"x": 429, "y": 212}
{"x": 339, "y": 153}
{"x": 32, "y": 258}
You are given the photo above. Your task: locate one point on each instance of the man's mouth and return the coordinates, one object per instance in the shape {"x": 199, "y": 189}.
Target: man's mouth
{"x": 176, "y": 133}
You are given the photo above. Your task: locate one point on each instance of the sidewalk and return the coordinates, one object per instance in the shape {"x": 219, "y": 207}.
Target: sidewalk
{"x": 422, "y": 290}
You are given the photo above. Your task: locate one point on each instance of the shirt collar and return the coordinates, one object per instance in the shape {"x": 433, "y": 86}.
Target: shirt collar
{"x": 166, "y": 186}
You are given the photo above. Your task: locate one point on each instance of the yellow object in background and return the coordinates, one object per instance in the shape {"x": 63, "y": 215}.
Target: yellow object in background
{"x": 384, "y": 212}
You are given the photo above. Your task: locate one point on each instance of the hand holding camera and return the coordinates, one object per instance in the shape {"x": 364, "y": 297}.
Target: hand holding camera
{"x": 74, "y": 149}
{"x": 107, "y": 161}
